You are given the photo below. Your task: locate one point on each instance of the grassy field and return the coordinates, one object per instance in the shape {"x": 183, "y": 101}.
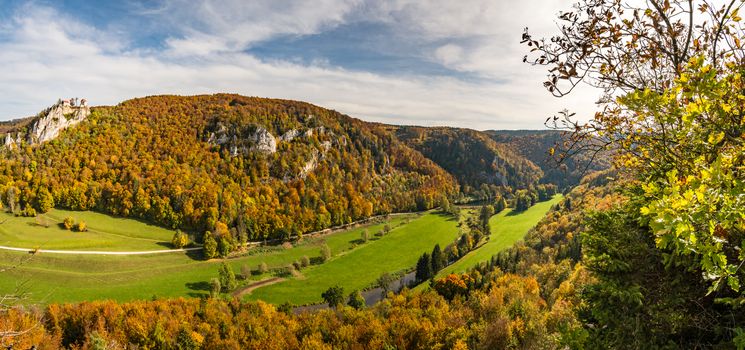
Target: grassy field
{"x": 507, "y": 228}
{"x": 71, "y": 278}
{"x": 360, "y": 267}
{"x": 105, "y": 233}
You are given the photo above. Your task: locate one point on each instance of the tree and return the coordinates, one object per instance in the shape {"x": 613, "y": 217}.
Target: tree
{"x": 500, "y": 204}
{"x": 439, "y": 260}
{"x": 325, "y": 252}
{"x": 486, "y": 213}
{"x": 245, "y": 271}
{"x": 453, "y": 285}
{"x": 445, "y": 204}
{"x": 69, "y": 222}
{"x": 384, "y": 282}
{"x": 423, "y": 268}
{"x": 179, "y": 240}
{"x": 215, "y": 287}
{"x": 210, "y": 246}
{"x": 334, "y": 296}
{"x": 356, "y": 300}
{"x": 81, "y": 226}
{"x": 365, "y": 235}
{"x": 224, "y": 246}
{"x": 44, "y": 200}
{"x": 227, "y": 277}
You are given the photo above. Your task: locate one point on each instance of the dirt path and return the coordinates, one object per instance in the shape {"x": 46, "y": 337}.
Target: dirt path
{"x": 249, "y": 288}
{"x": 96, "y": 252}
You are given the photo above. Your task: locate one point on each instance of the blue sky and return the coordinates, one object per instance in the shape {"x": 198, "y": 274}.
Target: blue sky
{"x": 437, "y": 62}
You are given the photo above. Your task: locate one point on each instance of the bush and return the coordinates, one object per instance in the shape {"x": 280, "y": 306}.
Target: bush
{"x": 29, "y": 212}
{"x": 245, "y": 272}
{"x": 81, "y": 227}
{"x": 305, "y": 261}
{"x": 325, "y": 252}
{"x": 224, "y": 246}
{"x": 263, "y": 268}
{"x": 179, "y": 240}
{"x": 69, "y": 222}
{"x": 356, "y": 300}
{"x": 365, "y": 235}
{"x": 297, "y": 264}
{"x": 334, "y": 296}
{"x": 215, "y": 287}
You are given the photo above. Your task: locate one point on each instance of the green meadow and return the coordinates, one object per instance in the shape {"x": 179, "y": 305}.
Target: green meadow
{"x": 507, "y": 228}
{"x": 48, "y": 277}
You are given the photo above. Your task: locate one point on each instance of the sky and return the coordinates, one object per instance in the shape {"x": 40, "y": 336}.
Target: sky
{"x": 414, "y": 62}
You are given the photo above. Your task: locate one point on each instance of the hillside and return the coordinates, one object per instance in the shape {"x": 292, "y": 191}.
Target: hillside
{"x": 534, "y": 145}
{"x": 265, "y": 168}
{"x": 471, "y": 156}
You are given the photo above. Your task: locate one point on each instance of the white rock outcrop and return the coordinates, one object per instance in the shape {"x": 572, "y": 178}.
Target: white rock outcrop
{"x": 49, "y": 124}
{"x": 57, "y": 118}
{"x": 263, "y": 141}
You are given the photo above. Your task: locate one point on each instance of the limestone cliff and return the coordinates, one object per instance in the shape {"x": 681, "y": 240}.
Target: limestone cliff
{"x": 48, "y": 124}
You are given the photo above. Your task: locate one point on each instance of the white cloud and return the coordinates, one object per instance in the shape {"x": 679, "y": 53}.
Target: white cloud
{"x": 46, "y": 56}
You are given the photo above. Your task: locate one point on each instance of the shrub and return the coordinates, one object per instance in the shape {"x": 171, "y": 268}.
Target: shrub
{"x": 263, "y": 268}
{"x": 215, "y": 287}
{"x": 245, "y": 272}
{"x": 305, "y": 261}
{"x": 356, "y": 300}
{"x": 334, "y": 296}
{"x": 69, "y": 222}
{"x": 365, "y": 235}
{"x": 325, "y": 252}
{"x": 29, "y": 212}
{"x": 179, "y": 240}
{"x": 81, "y": 227}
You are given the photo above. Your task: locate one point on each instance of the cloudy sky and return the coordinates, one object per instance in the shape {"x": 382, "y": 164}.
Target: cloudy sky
{"x": 438, "y": 62}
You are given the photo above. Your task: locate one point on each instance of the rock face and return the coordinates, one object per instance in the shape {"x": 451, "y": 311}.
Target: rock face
{"x": 49, "y": 124}
{"x": 263, "y": 141}
{"x": 255, "y": 138}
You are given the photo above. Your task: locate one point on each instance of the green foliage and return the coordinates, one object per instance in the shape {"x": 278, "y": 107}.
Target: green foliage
{"x": 481, "y": 165}
{"x": 215, "y": 287}
{"x": 245, "y": 272}
{"x": 334, "y": 296}
{"x": 179, "y": 240}
{"x": 210, "y": 246}
{"x": 438, "y": 259}
{"x": 424, "y": 268}
{"x": 365, "y": 235}
{"x": 325, "y": 253}
{"x": 227, "y": 277}
{"x": 356, "y": 300}
{"x": 263, "y": 268}
{"x": 44, "y": 200}
{"x": 484, "y": 215}
{"x": 384, "y": 282}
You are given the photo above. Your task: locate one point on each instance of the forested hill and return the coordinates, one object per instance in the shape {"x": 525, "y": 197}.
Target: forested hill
{"x": 472, "y": 157}
{"x": 265, "y": 168}
{"x": 534, "y": 145}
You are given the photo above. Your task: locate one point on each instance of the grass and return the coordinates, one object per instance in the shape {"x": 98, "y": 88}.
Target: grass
{"x": 105, "y": 233}
{"x": 73, "y": 278}
{"x": 507, "y": 228}
{"x": 360, "y": 267}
